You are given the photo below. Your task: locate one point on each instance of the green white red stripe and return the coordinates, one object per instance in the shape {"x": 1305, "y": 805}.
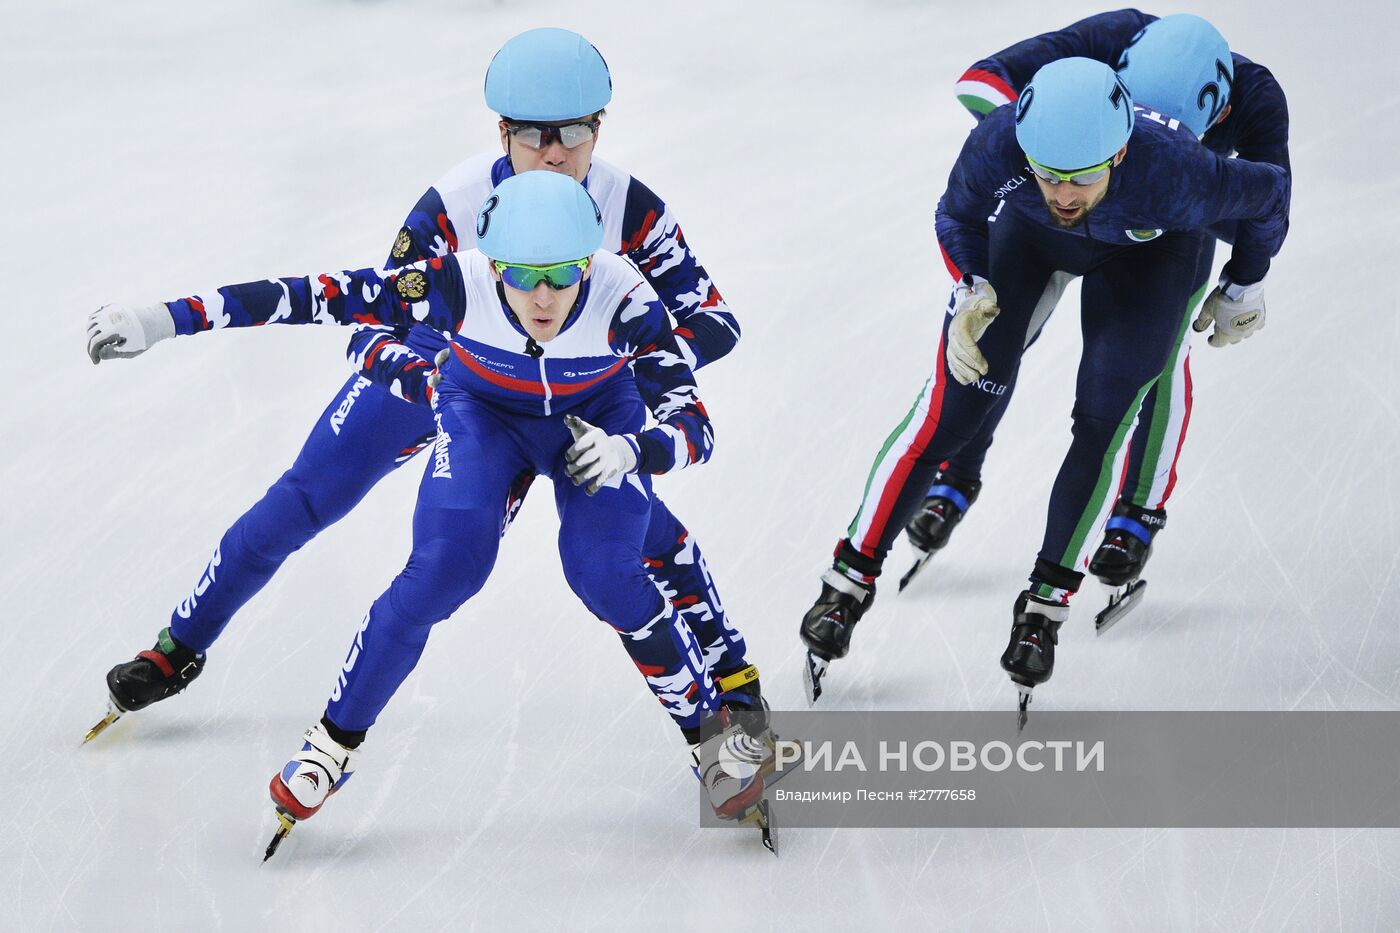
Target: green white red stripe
{"x": 982, "y": 91}
{"x": 1155, "y": 477}
{"x": 1113, "y": 469}
{"x": 1105, "y": 493}
{"x": 890, "y": 473}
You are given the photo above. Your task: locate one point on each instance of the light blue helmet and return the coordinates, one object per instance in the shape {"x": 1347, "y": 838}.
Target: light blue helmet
{"x": 1074, "y": 114}
{"x": 547, "y": 75}
{"x": 539, "y": 218}
{"x": 1182, "y": 66}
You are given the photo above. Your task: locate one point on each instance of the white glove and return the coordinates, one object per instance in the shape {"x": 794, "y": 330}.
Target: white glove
{"x": 974, "y": 308}
{"x": 597, "y": 457}
{"x": 439, "y": 361}
{"x": 1237, "y": 310}
{"x": 435, "y": 377}
{"x": 124, "y": 331}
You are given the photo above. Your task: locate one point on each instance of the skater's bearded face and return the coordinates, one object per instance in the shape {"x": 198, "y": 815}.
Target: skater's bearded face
{"x": 542, "y": 311}
{"x": 564, "y": 146}
{"x": 1069, "y": 203}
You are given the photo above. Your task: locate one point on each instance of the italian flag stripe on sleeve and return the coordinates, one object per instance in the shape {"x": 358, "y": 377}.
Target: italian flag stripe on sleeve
{"x": 982, "y": 92}
{"x": 952, "y": 267}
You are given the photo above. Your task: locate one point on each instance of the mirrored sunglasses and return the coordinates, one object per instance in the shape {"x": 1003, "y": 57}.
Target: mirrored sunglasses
{"x": 539, "y": 135}
{"x": 1080, "y": 176}
{"x": 525, "y": 278}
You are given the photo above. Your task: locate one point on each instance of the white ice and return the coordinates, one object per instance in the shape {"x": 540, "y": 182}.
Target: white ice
{"x": 523, "y": 778}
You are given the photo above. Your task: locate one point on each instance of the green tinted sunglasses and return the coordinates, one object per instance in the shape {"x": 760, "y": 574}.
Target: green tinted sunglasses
{"x": 558, "y": 276}
{"x": 1080, "y": 176}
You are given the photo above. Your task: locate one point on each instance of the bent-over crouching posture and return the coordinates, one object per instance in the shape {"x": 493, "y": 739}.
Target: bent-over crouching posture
{"x": 556, "y": 353}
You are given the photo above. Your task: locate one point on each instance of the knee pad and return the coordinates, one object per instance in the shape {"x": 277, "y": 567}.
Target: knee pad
{"x": 280, "y": 523}
{"x": 443, "y": 573}
{"x": 1092, "y": 423}
{"x": 1099, "y": 431}
{"x": 610, "y": 580}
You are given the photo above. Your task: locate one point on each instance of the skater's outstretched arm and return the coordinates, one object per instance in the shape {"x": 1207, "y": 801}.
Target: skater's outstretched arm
{"x": 428, "y": 292}
{"x": 379, "y": 352}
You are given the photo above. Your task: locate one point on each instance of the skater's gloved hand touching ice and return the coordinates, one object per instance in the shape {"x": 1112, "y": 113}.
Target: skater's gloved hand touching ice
{"x": 974, "y": 308}
{"x": 1236, "y": 310}
{"x": 597, "y": 457}
{"x": 124, "y": 331}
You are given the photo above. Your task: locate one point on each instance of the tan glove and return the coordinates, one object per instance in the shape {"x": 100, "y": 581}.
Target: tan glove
{"x": 1236, "y": 310}
{"x": 974, "y": 309}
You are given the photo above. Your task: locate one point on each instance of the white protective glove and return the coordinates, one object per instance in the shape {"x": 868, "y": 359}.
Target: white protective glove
{"x": 1237, "y": 310}
{"x": 974, "y": 308}
{"x": 597, "y": 457}
{"x": 435, "y": 377}
{"x": 124, "y": 331}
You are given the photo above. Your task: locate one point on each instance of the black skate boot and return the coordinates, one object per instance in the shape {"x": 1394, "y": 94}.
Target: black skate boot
{"x": 1127, "y": 543}
{"x": 150, "y": 677}
{"x": 1030, "y": 656}
{"x": 1120, "y": 559}
{"x": 932, "y": 526}
{"x": 827, "y": 626}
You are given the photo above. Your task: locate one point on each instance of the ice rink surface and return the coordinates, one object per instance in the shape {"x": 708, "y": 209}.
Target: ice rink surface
{"x": 523, "y": 778}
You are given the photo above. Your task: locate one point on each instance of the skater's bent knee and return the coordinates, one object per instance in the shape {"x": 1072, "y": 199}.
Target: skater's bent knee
{"x": 441, "y": 575}
{"x": 611, "y": 581}
{"x": 279, "y": 524}
{"x": 1087, "y": 424}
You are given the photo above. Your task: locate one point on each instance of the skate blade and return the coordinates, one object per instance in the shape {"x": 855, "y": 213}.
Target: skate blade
{"x": 284, "y": 827}
{"x": 113, "y": 714}
{"x": 1023, "y": 704}
{"x": 1121, "y": 602}
{"x": 812, "y": 673}
{"x": 913, "y": 571}
{"x": 761, "y": 815}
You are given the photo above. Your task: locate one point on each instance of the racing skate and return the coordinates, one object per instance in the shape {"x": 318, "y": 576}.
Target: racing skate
{"x": 153, "y": 675}
{"x": 1121, "y": 558}
{"x": 827, "y": 626}
{"x": 943, "y": 508}
{"x": 1029, "y": 657}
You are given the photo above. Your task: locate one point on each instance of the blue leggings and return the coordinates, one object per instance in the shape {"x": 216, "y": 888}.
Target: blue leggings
{"x": 479, "y": 452}
{"x": 363, "y": 435}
